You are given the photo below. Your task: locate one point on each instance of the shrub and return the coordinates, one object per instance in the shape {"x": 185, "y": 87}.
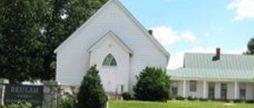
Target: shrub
{"x": 203, "y": 99}
{"x": 91, "y": 93}
{"x": 191, "y": 98}
{"x": 152, "y": 85}
{"x": 222, "y": 100}
{"x": 66, "y": 103}
{"x": 126, "y": 96}
{"x": 180, "y": 98}
{"x": 249, "y": 101}
{"x": 18, "y": 105}
{"x": 170, "y": 98}
{"x": 237, "y": 100}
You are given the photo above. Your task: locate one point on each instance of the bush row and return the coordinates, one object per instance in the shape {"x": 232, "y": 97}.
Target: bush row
{"x": 202, "y": 99}
{"x": 63, "y": 103}
{"x": 18, "y": 105}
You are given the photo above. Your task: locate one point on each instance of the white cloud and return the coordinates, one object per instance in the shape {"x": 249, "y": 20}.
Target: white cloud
{"x": 167, "y": 36}
{"x": 176, "y": 60}
{"x": 200, "y": 49}
{"x": 237, "y": 51}
{"x": 207, "y": 34}
{"x": 244, "y": 9}
{"x": 213, "y": 31}
{"x": 188, "y": 36}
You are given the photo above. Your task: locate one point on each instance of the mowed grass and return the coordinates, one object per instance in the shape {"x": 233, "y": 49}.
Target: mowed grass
{"x": 177, "y": 104}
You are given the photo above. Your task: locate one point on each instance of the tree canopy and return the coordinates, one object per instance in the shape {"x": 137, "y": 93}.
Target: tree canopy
{"x": 250, "y": 46}
{"x": 30, "y": 30}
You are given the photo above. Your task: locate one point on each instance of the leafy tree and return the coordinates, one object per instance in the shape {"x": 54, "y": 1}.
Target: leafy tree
{"x": 91, "y": 93}
{"x": 19, "y": 46}
{"x": 30, "y": 30}
{"x": 153, "y": 85}
{"x": 250, "y": 47}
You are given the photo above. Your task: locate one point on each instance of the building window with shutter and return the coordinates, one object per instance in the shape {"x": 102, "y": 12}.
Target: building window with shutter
{"x": 193, "y": 86}
{"x": 242, "y": 91}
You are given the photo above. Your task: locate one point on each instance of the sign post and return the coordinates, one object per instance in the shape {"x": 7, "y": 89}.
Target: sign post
{"x": 3, "y": 82}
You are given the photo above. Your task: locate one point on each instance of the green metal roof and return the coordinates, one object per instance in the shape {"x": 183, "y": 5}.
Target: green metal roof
{"x": 226, "y": 61}
{"x": 212, "y": 74}
{"x": 228, "y": 67}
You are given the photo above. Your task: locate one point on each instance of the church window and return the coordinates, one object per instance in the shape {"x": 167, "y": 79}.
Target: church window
{"x": 109, "y": 61}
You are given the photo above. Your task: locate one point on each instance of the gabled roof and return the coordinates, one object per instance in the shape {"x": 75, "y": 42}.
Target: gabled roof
{"x": 201, "y": 66}
{"x": 226, "y": 61}
{"x": 154, "y": 41}
{"x": 212, "y": 74}
{"x": 110, "y": 34}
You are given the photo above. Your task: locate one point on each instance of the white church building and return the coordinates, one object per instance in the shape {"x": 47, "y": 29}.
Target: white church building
{"x": 116, "y": 42}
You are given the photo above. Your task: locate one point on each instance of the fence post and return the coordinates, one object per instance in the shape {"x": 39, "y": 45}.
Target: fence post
{"x": 50, "y": 91}
{"x": 2, "y": 89}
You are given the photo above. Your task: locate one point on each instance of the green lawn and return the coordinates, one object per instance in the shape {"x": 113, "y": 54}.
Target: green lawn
{"x": 177, "y": 104}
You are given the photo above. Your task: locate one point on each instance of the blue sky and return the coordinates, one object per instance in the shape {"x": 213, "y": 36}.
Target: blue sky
{"x": 196, "y": 25}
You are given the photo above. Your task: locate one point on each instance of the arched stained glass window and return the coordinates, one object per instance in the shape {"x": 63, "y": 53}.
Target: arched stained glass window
{"x": 109, "y": 61}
